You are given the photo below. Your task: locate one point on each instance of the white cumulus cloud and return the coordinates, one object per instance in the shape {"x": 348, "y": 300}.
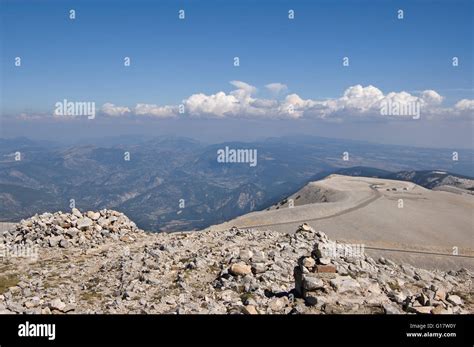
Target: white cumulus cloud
{"x": 465, "y": 105}
{"x": 276, "y": 88}
{"x": 155, "y": 110}
{"x": 356, "y": 102}
{"x": 111, "y": 110}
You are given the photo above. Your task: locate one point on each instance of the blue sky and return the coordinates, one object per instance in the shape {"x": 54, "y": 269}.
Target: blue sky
{"x": 172, "y": 58}
{"x": 82, "y": 59}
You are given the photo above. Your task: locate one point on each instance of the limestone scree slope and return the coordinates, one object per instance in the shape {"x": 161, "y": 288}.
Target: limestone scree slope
{"x": 100, "y": 262}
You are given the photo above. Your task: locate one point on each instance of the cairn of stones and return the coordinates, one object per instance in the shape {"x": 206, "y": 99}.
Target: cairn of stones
{"x": 335, "y": 279}
{"x": 63, "y": 230}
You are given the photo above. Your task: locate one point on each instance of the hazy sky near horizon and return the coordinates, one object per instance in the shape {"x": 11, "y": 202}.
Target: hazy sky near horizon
{"x": 291, "y": 79}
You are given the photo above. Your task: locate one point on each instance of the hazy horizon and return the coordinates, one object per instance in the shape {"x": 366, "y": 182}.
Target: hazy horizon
{"x": 233, "y": 130}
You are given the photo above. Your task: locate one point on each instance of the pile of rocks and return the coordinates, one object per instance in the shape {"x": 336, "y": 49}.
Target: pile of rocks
{"x": 248, "y": 271}
{"x": 71, "y": 229}
{"x": 350, "y": 282}
{"x": 433, "y": 300}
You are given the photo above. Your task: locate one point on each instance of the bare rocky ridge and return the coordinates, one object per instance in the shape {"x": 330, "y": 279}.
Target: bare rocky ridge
{"x": 217, "y": 272}
{"x": 367, "y": 210}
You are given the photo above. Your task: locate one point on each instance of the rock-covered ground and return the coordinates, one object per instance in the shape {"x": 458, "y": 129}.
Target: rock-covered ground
{"x": 100, "y": 262}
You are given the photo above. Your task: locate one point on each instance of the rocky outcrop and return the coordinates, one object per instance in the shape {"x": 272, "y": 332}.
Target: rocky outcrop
{"x": 338, "y": 278}
{"x": 233, "y": 271}
{"x": 62, "y": 230}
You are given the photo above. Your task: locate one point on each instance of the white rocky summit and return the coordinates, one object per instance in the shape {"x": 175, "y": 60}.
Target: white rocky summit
{"x": 100, "y": 262}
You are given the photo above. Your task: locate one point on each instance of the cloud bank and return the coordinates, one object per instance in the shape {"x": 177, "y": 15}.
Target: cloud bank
{"x": 357, "y": 102}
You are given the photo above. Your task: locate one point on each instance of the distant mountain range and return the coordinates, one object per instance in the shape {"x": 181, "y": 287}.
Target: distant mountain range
{"x": 173, "y": 183}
